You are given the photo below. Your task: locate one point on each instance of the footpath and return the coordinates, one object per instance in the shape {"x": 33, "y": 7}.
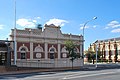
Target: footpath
{"x": 86, "y": 67}
{"x": 101, "y": 66}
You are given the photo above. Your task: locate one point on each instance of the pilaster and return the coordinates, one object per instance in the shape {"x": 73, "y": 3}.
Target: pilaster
{"x": 31, "y": 50}
{"x": 46, "y": 50}
{"x": 59, "y": 51}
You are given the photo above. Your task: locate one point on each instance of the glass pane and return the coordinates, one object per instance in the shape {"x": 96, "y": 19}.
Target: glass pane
{"x": 23, "y": 56}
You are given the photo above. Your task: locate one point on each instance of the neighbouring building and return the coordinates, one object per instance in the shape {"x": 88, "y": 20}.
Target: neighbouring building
{"x": 5, "y": 52}
{"x": 45, "y": 47}
{"x": 109, "y": 49}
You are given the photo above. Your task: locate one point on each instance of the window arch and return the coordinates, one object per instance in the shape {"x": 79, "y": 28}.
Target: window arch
{"x": 38, "y": 49}
{"x": 52, "y": 49}
{"x": 76, "y": 50}
{"x": 64, "y": 52}
{"x": 26, "y": 49}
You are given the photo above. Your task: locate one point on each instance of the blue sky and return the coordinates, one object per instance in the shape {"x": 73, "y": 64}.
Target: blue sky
{"x": 70, "y": 14}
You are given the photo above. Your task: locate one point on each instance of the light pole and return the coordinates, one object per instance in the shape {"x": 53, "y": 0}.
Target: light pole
{"x": 83, "y": 33}
{"x": 96, "y": 49}
{"x": 15, "y": 50}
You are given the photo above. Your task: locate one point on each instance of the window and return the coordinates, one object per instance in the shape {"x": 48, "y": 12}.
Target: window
{"x": 52, "y": 53}
{"x": 23, "y": 53}
{"x": 52, "y": 50}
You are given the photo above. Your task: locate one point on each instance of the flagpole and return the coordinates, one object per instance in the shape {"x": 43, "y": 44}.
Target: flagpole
{"x": 15, "y": 52}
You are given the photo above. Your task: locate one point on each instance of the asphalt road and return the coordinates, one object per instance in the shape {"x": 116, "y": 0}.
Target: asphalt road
{"x": 108, "y": 74}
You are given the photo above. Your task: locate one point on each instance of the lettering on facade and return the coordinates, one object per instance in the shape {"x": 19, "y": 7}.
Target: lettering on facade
{"x": 52, "y": 41}
{"x": 39, "y": 40}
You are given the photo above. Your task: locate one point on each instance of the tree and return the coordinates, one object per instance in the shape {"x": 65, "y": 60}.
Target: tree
{"x": 99, "y": 55}
{"x": 71, "y": 48}
{"x": 39, "y": 26}
{"x": 90, "y": 55}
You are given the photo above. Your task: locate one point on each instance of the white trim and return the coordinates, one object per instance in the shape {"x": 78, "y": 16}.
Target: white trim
{"x": 23, "y": 47}
{"x": 3, "y": 51}
{"x": 53, "y": 48}
{"x": 38, "y": 49}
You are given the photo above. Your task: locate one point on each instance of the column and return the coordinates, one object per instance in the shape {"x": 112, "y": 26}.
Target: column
{"x": 81, "y": 49}
{"x": 31, "y": 44}
{"x": 31, "y": 50}
{"x": 46, "y": 50}
{"x": 16, "y": 52}
{"x": 59, "y": 51}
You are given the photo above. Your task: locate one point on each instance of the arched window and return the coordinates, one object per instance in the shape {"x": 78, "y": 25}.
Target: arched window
{"x": 76, "y": 50}
{"x": 23, "y": 53}
{"x": 106, "y": 47}
{"x": 38, "y": 51}
{"x": 23, "y": 46}
{"x": 64, "y": 52}
{"x": 23, "y": 49}
{"x": 52, "y": 51}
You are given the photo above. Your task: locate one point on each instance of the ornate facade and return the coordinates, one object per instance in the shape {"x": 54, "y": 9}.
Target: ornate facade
{"x": 109, "y": 49}
{"x": 45, "y": 46}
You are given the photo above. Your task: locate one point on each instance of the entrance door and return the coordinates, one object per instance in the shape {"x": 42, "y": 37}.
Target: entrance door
{"x": 3, "y": 58}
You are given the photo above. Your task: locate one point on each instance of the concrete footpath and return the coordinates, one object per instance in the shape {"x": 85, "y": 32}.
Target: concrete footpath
{"x": 86, "y": 67}
{"x": 101, "y": 66}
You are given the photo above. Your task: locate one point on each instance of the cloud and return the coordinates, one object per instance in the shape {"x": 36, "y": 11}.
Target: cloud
{"x": 94, "y": 26}
{"x": 86, "y": 27}
{"x": 57, "y": 22}
{"x": 38, "y": 18}
{"x": 116, "y": 30}
{"x": 29, "y": 23}
{"x": 113, "y": 24}
{"x": 1, "y": 26}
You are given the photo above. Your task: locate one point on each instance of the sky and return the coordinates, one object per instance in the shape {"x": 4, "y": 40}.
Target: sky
{"x": 71, "y": 15}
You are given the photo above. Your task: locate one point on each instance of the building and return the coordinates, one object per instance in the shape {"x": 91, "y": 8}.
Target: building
{"x": 5, "y": 52}
{"x": 109, "y": 49}
{"x": 45, "y": 47}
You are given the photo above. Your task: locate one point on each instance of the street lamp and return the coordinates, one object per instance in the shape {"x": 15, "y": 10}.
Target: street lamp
{"x": 83, "y": 32}
{"x": 86, "y": 24}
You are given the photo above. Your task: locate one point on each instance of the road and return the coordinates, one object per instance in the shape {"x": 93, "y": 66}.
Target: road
{"x": 108, "y": 74}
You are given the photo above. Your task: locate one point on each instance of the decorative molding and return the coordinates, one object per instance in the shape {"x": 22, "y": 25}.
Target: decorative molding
{"x": 23, "y": 46}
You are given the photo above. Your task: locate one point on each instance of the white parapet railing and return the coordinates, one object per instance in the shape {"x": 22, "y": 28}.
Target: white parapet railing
{"x": 53, "y": 63}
